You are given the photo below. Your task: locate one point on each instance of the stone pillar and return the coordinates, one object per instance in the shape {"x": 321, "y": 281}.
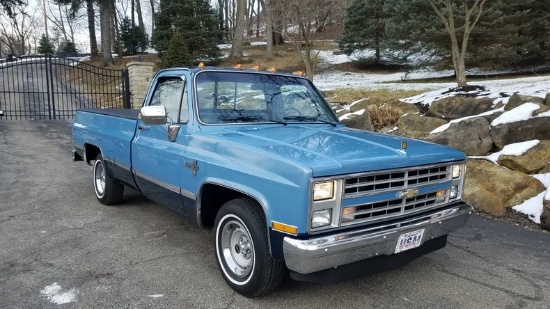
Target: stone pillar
{"x": 140, "y": 74}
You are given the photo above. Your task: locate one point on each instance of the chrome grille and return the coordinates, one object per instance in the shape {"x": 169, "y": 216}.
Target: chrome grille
{"x": 392, "y": 208}
{"x": 385, "y": 181}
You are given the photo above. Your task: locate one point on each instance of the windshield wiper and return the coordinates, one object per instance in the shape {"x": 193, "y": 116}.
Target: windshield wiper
{"x": 241, "y": 118}
{"x": 278, "y": 121}
{"x": 309, "y": 118}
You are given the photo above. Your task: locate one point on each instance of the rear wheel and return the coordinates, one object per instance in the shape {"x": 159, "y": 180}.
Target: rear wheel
{"x": 242, "y": 249}
{"x": 107, "y": 190}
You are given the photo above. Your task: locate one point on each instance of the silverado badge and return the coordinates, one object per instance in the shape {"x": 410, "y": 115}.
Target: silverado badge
{"x": 193, "y": 166}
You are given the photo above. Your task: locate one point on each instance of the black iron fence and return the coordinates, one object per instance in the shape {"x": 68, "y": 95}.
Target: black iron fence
{"x": 48, "y": 87}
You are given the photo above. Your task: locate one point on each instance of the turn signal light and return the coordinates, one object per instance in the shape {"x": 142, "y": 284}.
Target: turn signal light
{"x": 281, "y": 227}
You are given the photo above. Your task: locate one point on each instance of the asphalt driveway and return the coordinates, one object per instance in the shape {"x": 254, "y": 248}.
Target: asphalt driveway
{"x": 60, "y": 248}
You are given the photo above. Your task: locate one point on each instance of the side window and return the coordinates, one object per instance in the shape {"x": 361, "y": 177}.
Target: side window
{"x": 168, "y": 93}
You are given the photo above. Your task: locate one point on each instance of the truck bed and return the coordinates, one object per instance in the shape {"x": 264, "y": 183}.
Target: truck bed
{"x": 111, "y": 130}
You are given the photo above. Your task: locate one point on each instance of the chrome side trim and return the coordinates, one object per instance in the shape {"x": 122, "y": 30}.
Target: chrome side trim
{"x": 167, "y": 186}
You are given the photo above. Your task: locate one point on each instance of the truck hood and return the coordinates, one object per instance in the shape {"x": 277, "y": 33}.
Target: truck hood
{"x": 339, "y": 150}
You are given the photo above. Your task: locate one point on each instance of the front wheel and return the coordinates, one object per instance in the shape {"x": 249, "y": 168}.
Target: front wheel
{"x": 242, "y": 249}
{"x": 107, "y": 190}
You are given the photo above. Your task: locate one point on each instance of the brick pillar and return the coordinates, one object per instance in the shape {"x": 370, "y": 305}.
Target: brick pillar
{"x": 140, "y": 74}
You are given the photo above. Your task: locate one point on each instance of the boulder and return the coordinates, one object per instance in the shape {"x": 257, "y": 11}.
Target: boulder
{"x": 405, "y": 108}
{"x": 460, "y": 106}
{"x": 493, "y": 188}
{"x": 471, "y": 135}
{"x": 518, "y": 99}
{"x": 545, "y": 216}
{"x": 532, "y": 161}
{"x": 417, "y": 126}
{"x": 358, "y": 120}
{"x": 520, "y": 131}
{"x": 359, "y": 105}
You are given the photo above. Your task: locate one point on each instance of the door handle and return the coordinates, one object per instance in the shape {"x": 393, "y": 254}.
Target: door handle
{"x": 143, "y": 128}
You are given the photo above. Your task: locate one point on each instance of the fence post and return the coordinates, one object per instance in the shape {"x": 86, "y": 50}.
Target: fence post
{"x": 140, "y": 74}
{"x": 126, "y": 89}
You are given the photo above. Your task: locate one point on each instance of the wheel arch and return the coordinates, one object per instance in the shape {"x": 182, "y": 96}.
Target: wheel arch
{"x": 90, "y": 152}
{"x": 212, "y": 196}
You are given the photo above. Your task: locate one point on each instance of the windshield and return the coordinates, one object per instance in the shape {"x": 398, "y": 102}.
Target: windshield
{"x": 239, "y": 97}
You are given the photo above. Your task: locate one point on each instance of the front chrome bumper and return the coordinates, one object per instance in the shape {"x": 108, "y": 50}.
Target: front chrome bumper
{"x": 315, "y": 254}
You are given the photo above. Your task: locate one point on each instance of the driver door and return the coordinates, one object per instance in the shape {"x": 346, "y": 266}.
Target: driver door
{"x": 158, "y": 163}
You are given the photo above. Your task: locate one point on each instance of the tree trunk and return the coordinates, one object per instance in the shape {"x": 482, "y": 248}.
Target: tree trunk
{"x": 220, "y": 17}
{"x": 226, "y": 21}
{"x": 91, "y": 29}
{"x": 268, "y": 28}
{"x": 278, "y": 26}
{"x": 105, "y": 16}
{"x": 140, "y": 17}
{"x": 238, "y": 35}
{"x": 152, "y": 13}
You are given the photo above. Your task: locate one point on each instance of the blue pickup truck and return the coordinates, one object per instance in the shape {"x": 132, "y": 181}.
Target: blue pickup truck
{"x": 261, "y": 159}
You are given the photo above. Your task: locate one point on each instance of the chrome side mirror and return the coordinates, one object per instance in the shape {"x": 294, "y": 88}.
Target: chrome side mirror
{"x": 153, "y": 115}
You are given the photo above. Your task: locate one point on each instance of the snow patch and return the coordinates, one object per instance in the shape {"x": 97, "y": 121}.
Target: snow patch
{"x": 515, "y": 149}
{"x": 56, "y": 295}
{"x": 533, "y": 206}
{"x": 447, "y": 125}
{"x": 520, "y": 113}
{"x": 156, "y": 295}
{"x": 358, "y": 113}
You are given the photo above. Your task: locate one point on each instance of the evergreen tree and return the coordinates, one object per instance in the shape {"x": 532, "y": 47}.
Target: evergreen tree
{"x": 195, "y": 20}
{"x": 516, "y": 34}
{"x": 68, "y": 47}
{"x": 45, "y": 45}
{"x": 364, "y": 27}
{"x": 177, "y": 54}
{"x": 129, "y": 44}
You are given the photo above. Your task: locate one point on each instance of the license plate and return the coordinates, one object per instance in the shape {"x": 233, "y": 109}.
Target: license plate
{"x": 409, "y": 240}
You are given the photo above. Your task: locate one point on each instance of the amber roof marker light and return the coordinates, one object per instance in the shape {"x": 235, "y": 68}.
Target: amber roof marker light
{"x": 201, "y": 65}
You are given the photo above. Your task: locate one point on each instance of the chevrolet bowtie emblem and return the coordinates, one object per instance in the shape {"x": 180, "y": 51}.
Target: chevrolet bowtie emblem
{"x": 407, "y": 193}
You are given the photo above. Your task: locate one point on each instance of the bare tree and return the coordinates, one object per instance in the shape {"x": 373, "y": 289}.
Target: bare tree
{"x": 303, "y": 18}
{"x": 471, "y": 17}
{"x": 238, "y": 35}
{"x": 66, "y": 18}
{"x": 18, "y": 28}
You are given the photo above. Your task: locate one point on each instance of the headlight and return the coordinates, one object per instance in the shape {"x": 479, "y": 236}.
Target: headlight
{"x": 323, "y": 190}
{"x": 321, "y": 218}
{"x": 456, "y": 171}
